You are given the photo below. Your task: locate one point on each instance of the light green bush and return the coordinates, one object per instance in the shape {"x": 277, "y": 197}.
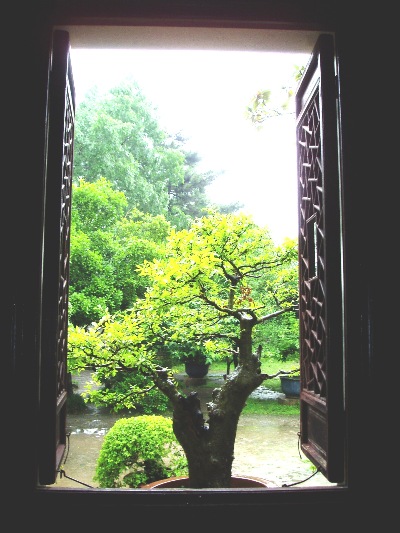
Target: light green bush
{"x": 139, "y": 450}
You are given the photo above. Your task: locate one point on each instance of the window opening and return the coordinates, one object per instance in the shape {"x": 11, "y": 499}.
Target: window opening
{"x": 259, "y": 193}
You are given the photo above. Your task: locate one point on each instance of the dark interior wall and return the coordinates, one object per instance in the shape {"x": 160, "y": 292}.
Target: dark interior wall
{"x": 25, "y": 74}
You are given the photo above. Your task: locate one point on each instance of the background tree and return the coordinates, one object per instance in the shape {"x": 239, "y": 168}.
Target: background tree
{"x": 127, "y": 172}
{"x": 108, "y": 241}
{"x": 201, "y": 289}
{"x": 117, "y": 136}
{"x": 188, "y": 199}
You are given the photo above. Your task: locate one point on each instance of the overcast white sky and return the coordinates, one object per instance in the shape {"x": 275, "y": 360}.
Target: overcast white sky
{"x": 203, "y": 95}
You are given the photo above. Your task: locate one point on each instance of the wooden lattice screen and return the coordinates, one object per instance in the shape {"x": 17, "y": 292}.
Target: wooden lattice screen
{"x": 321, "y": 331}
{"x": 61, "y": 113}
{"x": 312, "y": 252}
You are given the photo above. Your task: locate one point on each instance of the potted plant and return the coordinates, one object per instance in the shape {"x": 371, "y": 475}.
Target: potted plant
{"x": 219, "y": 280}
{"x": 290, "y": 385}
{"x": 194, "y": 355}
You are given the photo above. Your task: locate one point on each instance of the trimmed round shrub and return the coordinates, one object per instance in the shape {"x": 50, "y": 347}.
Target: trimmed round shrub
{"x": 139, "y": 450}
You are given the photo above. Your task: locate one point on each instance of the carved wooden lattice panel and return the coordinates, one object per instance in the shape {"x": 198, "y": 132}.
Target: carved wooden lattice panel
{"x": 64, "y": 246}
{"x": 320, "y": 265}
{"x": 54, "y": 341}
{"x": 311, "y": 251}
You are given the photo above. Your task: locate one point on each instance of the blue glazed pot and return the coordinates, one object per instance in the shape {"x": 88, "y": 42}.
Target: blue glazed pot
{"x": 290, "y": 386}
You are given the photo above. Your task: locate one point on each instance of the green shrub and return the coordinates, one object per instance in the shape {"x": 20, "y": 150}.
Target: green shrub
{"x": 139, "y": 450}
{"x": 75, "y": 403}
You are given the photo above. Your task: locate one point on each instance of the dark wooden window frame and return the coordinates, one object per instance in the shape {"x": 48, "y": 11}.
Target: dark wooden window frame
{"x": 56, "y": 434}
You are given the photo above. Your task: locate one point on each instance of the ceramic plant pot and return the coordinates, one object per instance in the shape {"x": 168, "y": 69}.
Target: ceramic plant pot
{"x": 290, "y": 386}
{"x": 237, "y": 482}
{"x": 196, "y": 370}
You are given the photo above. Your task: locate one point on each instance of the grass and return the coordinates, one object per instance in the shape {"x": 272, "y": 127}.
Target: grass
{"x": 270, "y": 407}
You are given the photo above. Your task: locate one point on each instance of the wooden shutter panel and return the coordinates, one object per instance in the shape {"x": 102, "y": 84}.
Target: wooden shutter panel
{"x": 53, "y": 366}
{"x": 320, "y": 286}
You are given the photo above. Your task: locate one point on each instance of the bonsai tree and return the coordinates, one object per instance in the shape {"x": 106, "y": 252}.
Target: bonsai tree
{"x": 217, "y": 282}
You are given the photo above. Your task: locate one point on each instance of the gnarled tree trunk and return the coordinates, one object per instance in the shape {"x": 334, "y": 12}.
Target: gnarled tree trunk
{"x": 209, "y": 444}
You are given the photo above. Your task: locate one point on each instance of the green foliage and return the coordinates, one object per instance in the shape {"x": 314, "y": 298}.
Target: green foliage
{"x": 137, "y": 451}
{"x": 107, "y": 243}
{"x": 222, "y": 270}
{"x": 222, "y": 276}
{"x": 185, "y": 351}
{"x": 140, "y": 237}
{"x": 213, "y": 281}
{"x": 267, "y": 104}
{"x": 96, "y": 206}
{"x": 110, "y": 346}
{"x": 280, "y": 337}
{"x": 130, "y": 386}
{"x": 117, "y": 135}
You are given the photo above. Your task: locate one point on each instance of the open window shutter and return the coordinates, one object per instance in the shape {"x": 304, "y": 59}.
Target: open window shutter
{"x": 53, "y": 369}
{"x": 321, "y": 323}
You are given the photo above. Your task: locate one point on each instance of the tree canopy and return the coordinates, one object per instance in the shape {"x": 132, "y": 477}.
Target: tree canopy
{"x": 213, "y": 284}
{"x": 108, "y": 241}
{"x": 118, "y": 136}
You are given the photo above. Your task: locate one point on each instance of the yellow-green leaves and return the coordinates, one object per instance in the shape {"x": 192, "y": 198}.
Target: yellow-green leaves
{"x": 216, "y": 282}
